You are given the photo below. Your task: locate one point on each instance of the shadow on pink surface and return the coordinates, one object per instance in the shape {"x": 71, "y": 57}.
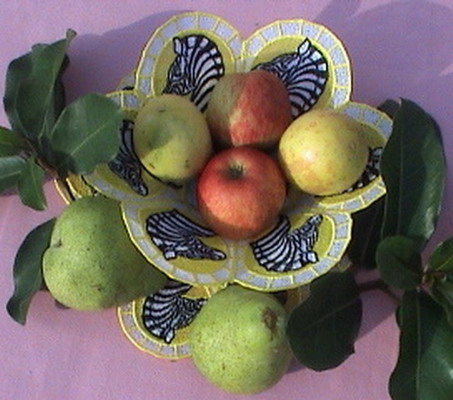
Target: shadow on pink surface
{"x": 101, "y": 61}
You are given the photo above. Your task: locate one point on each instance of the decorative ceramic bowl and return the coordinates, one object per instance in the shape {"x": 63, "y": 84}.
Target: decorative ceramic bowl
{"x": 187, "y": 56}
{"x": 148, "y": 328}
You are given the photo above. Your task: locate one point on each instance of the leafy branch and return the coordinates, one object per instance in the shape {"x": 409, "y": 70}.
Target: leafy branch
{"x": 391, "y": 235}
{"x": 47, "y": 136}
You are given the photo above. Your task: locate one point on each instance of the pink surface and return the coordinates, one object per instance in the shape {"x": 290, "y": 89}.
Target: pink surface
{"x": 398, "y": 49}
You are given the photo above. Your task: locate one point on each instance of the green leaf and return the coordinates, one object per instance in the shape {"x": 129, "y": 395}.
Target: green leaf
{"x": 323, "y": 329}
{"x": 27, "y": 270}
{"x": 413, "y": 169}
{"x": 441, "y": 260}
{"x": 86, "y": 134}
{"x": 34, "y": 93}
{"x": 442, "y": 292}
{"x": 30, "y": 185}
{"x": 439, "y": 275}
{"x": 390, "y": 107}
{"x": 366, "y": 233}
{"x": 399, "y": 262}
{"x": 10, "y": 170}
{"x": 11, "y": 143}
{"x": 424, "y": 370}
{"x": 18, "y": 71}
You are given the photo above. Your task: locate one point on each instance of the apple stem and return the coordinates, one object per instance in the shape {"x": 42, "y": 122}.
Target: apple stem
{"x": 236, "y": 171}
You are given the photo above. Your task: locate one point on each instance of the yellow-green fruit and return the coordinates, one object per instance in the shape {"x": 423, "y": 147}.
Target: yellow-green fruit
{"x": 171, "y": 138}
{"x": 238, "y": 340}
{"x": 323, "y": 152}
{"x": 91, "y": 263}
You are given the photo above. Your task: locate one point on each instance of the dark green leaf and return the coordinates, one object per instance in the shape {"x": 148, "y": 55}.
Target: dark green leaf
{"x": 366, "y": 233}
{"x": 34, "y": 94}
{"x": 323, "y": 329}
{"x": 86, "y": 134}
{"x": 413, "y": 168}
{"x": 424, "y": 370}
{"x": 441, "y": 260}
{"x": 10, "y": 170}
{"x": 399, "y": 262}
{"x": 30, "y": 185}
{"x": 27, "y": 270}
{"x": 442, "y": 292}
{"x": 439, "y": 275}
{"x": 11, "y": 143}
{"x": 390, "y": 107}
{"x": 18, "y": 71}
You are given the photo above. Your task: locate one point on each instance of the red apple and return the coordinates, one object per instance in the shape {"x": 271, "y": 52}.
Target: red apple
{"x": 251, "y": 108}
{"x": 240, "y": 192}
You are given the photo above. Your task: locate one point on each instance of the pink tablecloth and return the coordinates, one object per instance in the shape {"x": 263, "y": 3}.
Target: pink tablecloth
{"x": 398, "y": 49}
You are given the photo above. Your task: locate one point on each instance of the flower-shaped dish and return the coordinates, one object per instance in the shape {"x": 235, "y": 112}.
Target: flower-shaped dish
{"x": 187, "y": 56}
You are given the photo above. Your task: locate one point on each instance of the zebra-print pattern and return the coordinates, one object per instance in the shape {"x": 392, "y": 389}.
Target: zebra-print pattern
{"x": 304, "y": 74}
{"x": 198, "y": 66}
{"x": 281, "y": 250}
{"x": 166, "y": 311}
{"x": 126, "y": 164}
{"x": 371, "y": 171}
{"x": 176, "y": 236}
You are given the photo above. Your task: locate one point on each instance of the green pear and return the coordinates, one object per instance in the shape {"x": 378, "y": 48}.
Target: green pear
{"x": 238, "y": 340}
{"x": 91, "y": 263}
{"x": 171, "y": 138}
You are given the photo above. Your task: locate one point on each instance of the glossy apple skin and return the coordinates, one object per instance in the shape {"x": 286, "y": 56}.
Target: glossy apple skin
{"x": 251, "y": 108}
{"x": 323, "y": 152}
{"x": 240, "y": 192}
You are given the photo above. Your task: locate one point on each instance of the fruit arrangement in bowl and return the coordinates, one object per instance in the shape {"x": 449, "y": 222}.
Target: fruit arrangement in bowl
{"x": 239, "y": 169}
{"x": 219, "y": 210}
{"x": 215, "y": 153}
